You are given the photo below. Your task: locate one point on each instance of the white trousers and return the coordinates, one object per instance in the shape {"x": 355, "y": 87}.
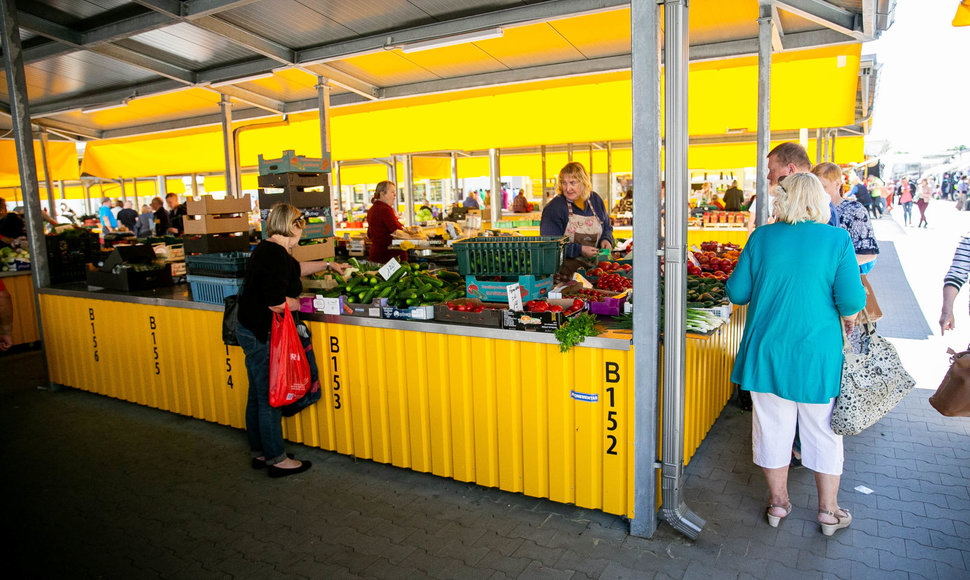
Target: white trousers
{"x": 773, "y": 432}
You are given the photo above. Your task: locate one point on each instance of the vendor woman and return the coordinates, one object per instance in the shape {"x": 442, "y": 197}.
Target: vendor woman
{"x": 579, "y": 213}
{"x": 383, "y": 225}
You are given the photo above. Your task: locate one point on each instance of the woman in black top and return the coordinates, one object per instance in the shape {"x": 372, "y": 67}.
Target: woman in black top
{"x": 272, "y": 284}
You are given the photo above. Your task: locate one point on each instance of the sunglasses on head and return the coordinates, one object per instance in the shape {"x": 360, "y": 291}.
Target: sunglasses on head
{"x": 300, "y": 222}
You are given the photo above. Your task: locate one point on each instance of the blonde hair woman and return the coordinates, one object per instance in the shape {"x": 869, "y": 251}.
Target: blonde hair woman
{"x": 579, "y": 213}
{"x": 800, "y": 280}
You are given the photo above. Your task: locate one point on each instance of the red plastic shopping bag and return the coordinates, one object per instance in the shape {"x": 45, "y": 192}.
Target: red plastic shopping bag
{"x": 289, "y": 371}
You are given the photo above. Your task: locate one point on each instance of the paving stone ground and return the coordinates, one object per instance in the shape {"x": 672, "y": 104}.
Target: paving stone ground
{"x": 94, "y": 487}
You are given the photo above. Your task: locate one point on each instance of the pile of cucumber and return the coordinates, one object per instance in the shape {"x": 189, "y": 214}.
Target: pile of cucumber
{"x": 411, "y": 285}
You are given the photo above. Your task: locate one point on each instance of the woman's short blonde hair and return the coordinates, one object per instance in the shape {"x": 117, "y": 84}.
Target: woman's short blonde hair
{"x": 829, "y": 171}
{"x": 280, "y": 220}
{"x": 575, "y": 170}
{"x": 801, "y": 198}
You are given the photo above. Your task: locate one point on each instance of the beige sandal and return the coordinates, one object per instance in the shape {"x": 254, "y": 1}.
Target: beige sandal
{"x": 843, "y": 521}
{"x": 774, "y": 520}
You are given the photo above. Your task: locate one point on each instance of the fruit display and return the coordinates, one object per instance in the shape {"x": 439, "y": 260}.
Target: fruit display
{"x": 604, "y": 268}
{"x": 705, "y": 292}
{"x": 714, "y": 260}
{"x": 614, "y": 283}
{"x": 10, "y": 257}
{"x": 410, "y": 285}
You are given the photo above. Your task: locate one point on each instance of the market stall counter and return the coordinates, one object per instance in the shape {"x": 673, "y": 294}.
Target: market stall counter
{"x": 500, "y": 408}
{"x": 21, "y": 288}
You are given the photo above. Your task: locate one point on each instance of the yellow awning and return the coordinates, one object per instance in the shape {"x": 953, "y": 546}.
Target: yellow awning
{"x": 212, "y": 183}
{"x": 61, "y": 156}
{"x": 962, "y": 17}
{"x": 363, "y": 174}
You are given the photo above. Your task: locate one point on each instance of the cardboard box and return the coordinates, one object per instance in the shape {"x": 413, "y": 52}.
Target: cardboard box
{"x": 206, "y": 204}
{"x": 299, "y": 198}
{"x": 358, "y": 248}
{"x": 489, "y": 290}
{"x": 291, "y": 162}
{"x": 324, "y": 250}
{"x": 216, "y": 243}
{"x": 538, "y": 321}
{"x": 491, "y": 317}
{"x": 215, "y": 224}
{"x": 129, "y": 280}
{"x": 294, "y": 181}
{"x": 369, "y": 310}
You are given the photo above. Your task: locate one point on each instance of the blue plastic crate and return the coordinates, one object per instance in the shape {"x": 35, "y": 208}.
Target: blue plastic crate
{"x": 224, "y": 265}
{"x": 213, "y": 290}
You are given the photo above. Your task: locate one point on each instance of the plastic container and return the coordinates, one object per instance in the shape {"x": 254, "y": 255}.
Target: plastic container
{"x": 213, "y": 290}
{"x": 510, "y": 256}
{"x": 532, "y": 288}
{"x": 224, "y": 265}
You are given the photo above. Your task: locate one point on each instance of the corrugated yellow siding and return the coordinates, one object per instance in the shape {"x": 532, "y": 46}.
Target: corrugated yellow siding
{"x": 21, "y": 290}
{"x": 498, "y": 413}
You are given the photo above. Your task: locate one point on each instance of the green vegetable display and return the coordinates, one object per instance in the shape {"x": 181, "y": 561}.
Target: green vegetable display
{"x": 576, "y": 330}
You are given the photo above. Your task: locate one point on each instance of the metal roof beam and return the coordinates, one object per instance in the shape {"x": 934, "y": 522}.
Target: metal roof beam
{"x": 825, "y": 14}
{"x": 250, "y": 98}
{"x": 69, "y": 128}
{"x": 777, "y": 30}
{"x": 341, "y": 79}
{"x": 42, "y": 108}
{"x": 816, "y": 38}
{"x": 539, "y": 12}
{"x": 187, "y": 123}
{"x": 148, "y": 63}
{"x": 199, "y": 8}
{"x": 508, "y": 77}
{"x": 48, "y": 29}
{"x": 341, "y": 100}
{"x": 247, "y": 39}
{"x": 171, "y": 8}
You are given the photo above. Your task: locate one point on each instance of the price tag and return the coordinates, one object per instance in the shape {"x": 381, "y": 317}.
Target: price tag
{"x": 356, "y": 245}
{"x": 388, "y": 269}
{"x": 515, "y": 297}
{"x": 331, "y": 306}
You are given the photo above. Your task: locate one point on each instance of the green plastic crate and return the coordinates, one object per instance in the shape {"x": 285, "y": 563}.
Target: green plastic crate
{"x": 510, "y": 256}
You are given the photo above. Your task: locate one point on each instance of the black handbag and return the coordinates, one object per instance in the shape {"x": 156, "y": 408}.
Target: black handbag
{"x": 229, "y": 320}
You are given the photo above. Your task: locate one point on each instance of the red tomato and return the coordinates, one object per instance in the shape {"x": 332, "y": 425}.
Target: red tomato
{"x": 555, "y": 308}
{"x": 479, "y": 308}
{"x": 604, "y": 265}
{"x": 451, "y": 306}
{"x": 578, "y": 303}
{"x": 540, "y": 307}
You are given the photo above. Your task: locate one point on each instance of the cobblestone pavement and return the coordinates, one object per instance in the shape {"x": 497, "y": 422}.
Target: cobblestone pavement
{"x": 98, "y": 488}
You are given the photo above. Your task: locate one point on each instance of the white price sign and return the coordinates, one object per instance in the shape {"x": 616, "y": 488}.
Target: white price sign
{"x": 356, "y": 245}
{"x": 388, "y": 269}
{"x": 515, "y": 297}
{"x": 331, "y": 306}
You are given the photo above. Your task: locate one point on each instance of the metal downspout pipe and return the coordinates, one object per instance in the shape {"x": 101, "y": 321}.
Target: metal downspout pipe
{"x": 673, "y": 508}
{"x": 645, "y": 49}
{"x": 455, "y": 194}
{"x": 49, "y": 185}
{"x": 764, "y": 111}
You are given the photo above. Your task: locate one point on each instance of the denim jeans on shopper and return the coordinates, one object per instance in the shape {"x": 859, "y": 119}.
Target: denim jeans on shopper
{"x": 264, "y": 424}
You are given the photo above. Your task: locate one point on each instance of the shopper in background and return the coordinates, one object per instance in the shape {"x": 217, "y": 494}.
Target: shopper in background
{"x": 6, "y": 317}
{"x": 116, "y": 207}
{"x": 906, "y": 200}
{"x": 105, "y": 217}
{"x": 962, "y": 188}
{"x": 471, "y": 201}
{"x": 160, "y": 221}
{"x": 11, "y": 225}
{"x": 520, "y": 204}
{"x": 383, "y": 225}
{"x": 176, "y": 214}
{"x": 145, "y": 224}
{"x": 579, "y": 213}
{"x": 272, "y": 284}
{"x": 625, "y": 204}
{"x": 860, "y": 193}
{"x": 785, "y": 159}
{"x": 790, "y": 357}
{"x": 733, "y": 197}
{"x": 924, "y": 194}
{"x": 128, "y": 216}
{"x": 874, "y": 185}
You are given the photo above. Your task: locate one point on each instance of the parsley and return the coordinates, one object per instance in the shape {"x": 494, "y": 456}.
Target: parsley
{"x": 576, "y": 330}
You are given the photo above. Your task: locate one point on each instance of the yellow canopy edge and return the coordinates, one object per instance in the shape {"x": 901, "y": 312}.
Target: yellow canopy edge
{"x": 61, "y": 156}
{"x": 962, "y": 17}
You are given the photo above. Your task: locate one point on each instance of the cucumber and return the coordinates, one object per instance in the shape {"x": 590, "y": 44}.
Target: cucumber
{"x": 397, "y": 275}
{"x": 434, "y": 297}
{"x": 423, "y": 289}
{"x": 385, "y": 292}
{"x": 368, "y": 296}
{"x": 448, "y": 275}
{"x": 406, "y": 294}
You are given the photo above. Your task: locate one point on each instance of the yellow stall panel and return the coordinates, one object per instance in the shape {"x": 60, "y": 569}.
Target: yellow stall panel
{"x": 21, "y": 288}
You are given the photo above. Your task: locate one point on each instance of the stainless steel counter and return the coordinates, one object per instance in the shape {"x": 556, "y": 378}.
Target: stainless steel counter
{"x": 179, "y": 296}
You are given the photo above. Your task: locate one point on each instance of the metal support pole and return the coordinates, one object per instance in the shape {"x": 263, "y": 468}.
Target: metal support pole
{"x": 392, "y": 170}
{"x": 495, "y": 178}
{"x": 62, "y": 191}
{"x": 335, "y": 170}
{"x": 590, "y": 168}
{"x": 764, "y": 112}
{"x": 49, "y": 184}
{"x": 16, "y": 81}
{"x": 542, "y": 193}
{"x": 569, "y": 152}
{"x": 233, "y": 182}
{"x": 835, "y": 133}
{"x": 134, "y": 191}
{"x": 195, "y": 185}
{"x": 610, "y": 182}
{"x": 409, "y": 217}
{"x": 124, "y": 194}
{"x": 818, "y": 146}
{"x": 87, "y": 197}
{"x": 455, "y": 194}
{"x": 323, "y": 112}
{"x": 674, "y": 509}
{"x": 645, "y": 22}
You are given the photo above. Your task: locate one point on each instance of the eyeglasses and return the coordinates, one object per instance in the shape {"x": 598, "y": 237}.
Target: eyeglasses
{"x": 300, "y": 222}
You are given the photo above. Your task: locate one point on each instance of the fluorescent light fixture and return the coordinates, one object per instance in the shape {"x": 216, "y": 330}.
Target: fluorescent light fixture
{"x": 242, "y": 80}
{"x": 106, "y": 106}
{"x": 452, "y": 40}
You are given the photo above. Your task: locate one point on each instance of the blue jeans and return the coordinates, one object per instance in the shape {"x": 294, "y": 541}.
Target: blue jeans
{"x": 264, "y": 424}
{"x": 908, "y": 212}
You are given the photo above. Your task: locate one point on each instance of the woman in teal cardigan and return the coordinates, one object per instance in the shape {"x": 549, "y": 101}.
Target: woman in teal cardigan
{"x": 800, "y": 279}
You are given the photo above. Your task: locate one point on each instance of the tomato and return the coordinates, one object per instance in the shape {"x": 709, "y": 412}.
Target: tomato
{"x": 626, "y": 267}
{"x": 604, "y": 265}
{"x": 479, "y": 308}
{"x": 578, "y": 303}
{"x": 540, "y": 307}
{"x": 463, "y": 307}
{"x": 451, "y": 306}
{"x": 530, "y": 305}
{"x": 555, "y": 308}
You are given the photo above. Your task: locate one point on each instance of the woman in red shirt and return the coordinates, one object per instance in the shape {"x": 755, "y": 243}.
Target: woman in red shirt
{"x": 383, "y": 225}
